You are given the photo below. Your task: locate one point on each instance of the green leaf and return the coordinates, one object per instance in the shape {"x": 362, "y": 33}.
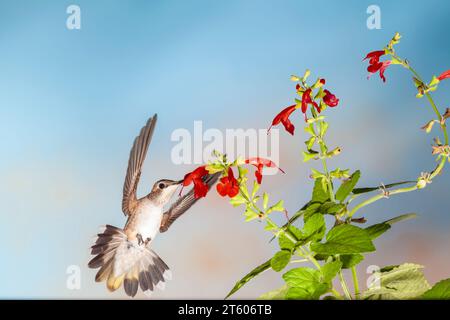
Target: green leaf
{"x": 440, "y": 291}
{"x": 237, "y": 200}
{"x": 304, "y": 283}
{"x": 345, "y": 239}
{"x": 314, "y": 228}
{"x": 402, "y": 282}
{"x": 311, "y": 154}
{"x": 310, "y": 142}
{"x": 250, "y": 214}
{"x": 351, "y": 260}
{"x": 255, "y": 189}
{"x": 265, "y": 200}
{"x": 388, "y": 186}
{"x": 256, "y": 271}
{"x": 347, "y": 186}
{"x": 319, "y": 193}
{"x": 285, "y": 242}
{"x": 330, "y": 207}
{"x": 312, "y": 209}
{"x": 330, "y": 270}
{"x": 378, "y": 229}
{"x": 280, "y": 260}
{"x": 277, "y": 207}
{"x": 278, "y": 294}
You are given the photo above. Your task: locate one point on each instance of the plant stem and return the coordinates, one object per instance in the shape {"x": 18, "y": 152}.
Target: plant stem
{"x": 355, "y": 282}
{"x": 324, "y": 161}
{"x": 380, "y": 196}
{"x": 344, "y": 286}
{"x": 439, "y": 167}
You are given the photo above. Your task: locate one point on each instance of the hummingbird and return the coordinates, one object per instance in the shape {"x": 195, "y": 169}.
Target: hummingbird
{"x": 126, "y": 255}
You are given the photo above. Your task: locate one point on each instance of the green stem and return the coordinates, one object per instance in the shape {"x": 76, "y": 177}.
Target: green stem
{"x": 439, "y": 167}
{"x": 381, "y": 196}
{"x": 344, "y": 285}
{"x": 355, "y": 282}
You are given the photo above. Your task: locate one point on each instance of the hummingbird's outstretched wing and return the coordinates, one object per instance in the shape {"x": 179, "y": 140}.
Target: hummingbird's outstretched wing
{"x": 137, "y": 157}
{"x": 184, "y": 203}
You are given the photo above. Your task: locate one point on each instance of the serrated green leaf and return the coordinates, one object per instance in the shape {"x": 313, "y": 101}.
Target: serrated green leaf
{"x": 402, "y": 282}
{"x": 345, "y": 239}
{"x": 280, "y": 260}
{"x": 330, "y": 207}
{"x": 278, "y": 294}
{"x": 249, "y": 276}
{"x": 440, "y": 291}
{"x": 320, "y": 194}
{"x": 307, "y": 283}
{"x": 350, "y": 260}
{"x": 314, "y": 228}
{"x": 347, "y": 186}
{"x": 330, "y": 270}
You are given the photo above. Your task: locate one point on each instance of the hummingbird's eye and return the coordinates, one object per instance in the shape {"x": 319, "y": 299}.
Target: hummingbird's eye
{"x": 161, "y": 185}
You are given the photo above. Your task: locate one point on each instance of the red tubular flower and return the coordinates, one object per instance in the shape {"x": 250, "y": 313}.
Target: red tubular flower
{"x": 228, "y": 186}
{"x": 195, "y": 177}
{"x": 283, "y": 117}
{"x": 260, "y": 163}
{"x": 306, "y": 99}
{"x": 444, "y": 75}
{"x": 375, "y": 65}
{"x": 330, "y": 99}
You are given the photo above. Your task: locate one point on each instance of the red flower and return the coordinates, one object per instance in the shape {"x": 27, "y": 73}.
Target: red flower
{"x": 228, "y": 186}
{"x": 330, "y": 99}
{"x": 444, "y": 75}
{"x": 283, "y": 117}
{"x": 306, "y": 99}
{"x": 260, "y": 163}
{"x": 375, "y": 65}
{"x": 195, "y": 177}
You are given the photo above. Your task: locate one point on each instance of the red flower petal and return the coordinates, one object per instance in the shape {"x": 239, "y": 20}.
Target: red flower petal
{"x": 330, "y": 99}
{"x": 260, "y": 163}
{"x": 444, "y": 75}
{"x": 283, "y": 117}
{"x": 228, "y": 186}
{"x": 374, "y": 56}
{"x": 195, "y": 177}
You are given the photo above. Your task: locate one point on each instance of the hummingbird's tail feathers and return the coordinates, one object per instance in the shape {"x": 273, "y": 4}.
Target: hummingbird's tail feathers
{"x": 122, "y": 261}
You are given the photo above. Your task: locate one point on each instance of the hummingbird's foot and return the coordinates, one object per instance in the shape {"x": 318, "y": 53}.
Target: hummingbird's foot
{"x": 139, "y": 238}
{"x": 147, "y": 241}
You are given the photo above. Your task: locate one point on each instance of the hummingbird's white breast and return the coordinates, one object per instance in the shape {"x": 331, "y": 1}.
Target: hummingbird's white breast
{"x": 148, "y": 219}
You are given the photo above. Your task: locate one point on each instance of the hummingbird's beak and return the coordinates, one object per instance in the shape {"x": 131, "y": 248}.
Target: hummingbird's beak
{"x": 179, "y": 182}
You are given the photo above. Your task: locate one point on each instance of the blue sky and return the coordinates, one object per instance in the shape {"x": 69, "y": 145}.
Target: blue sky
{"x": 71, "y": 102}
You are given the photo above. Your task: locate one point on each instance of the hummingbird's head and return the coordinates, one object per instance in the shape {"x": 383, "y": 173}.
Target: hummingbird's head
{"x": 164, "y": 189}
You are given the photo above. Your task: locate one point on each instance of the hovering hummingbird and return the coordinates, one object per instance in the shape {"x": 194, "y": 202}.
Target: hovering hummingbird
{"x": 125, "y": 255}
